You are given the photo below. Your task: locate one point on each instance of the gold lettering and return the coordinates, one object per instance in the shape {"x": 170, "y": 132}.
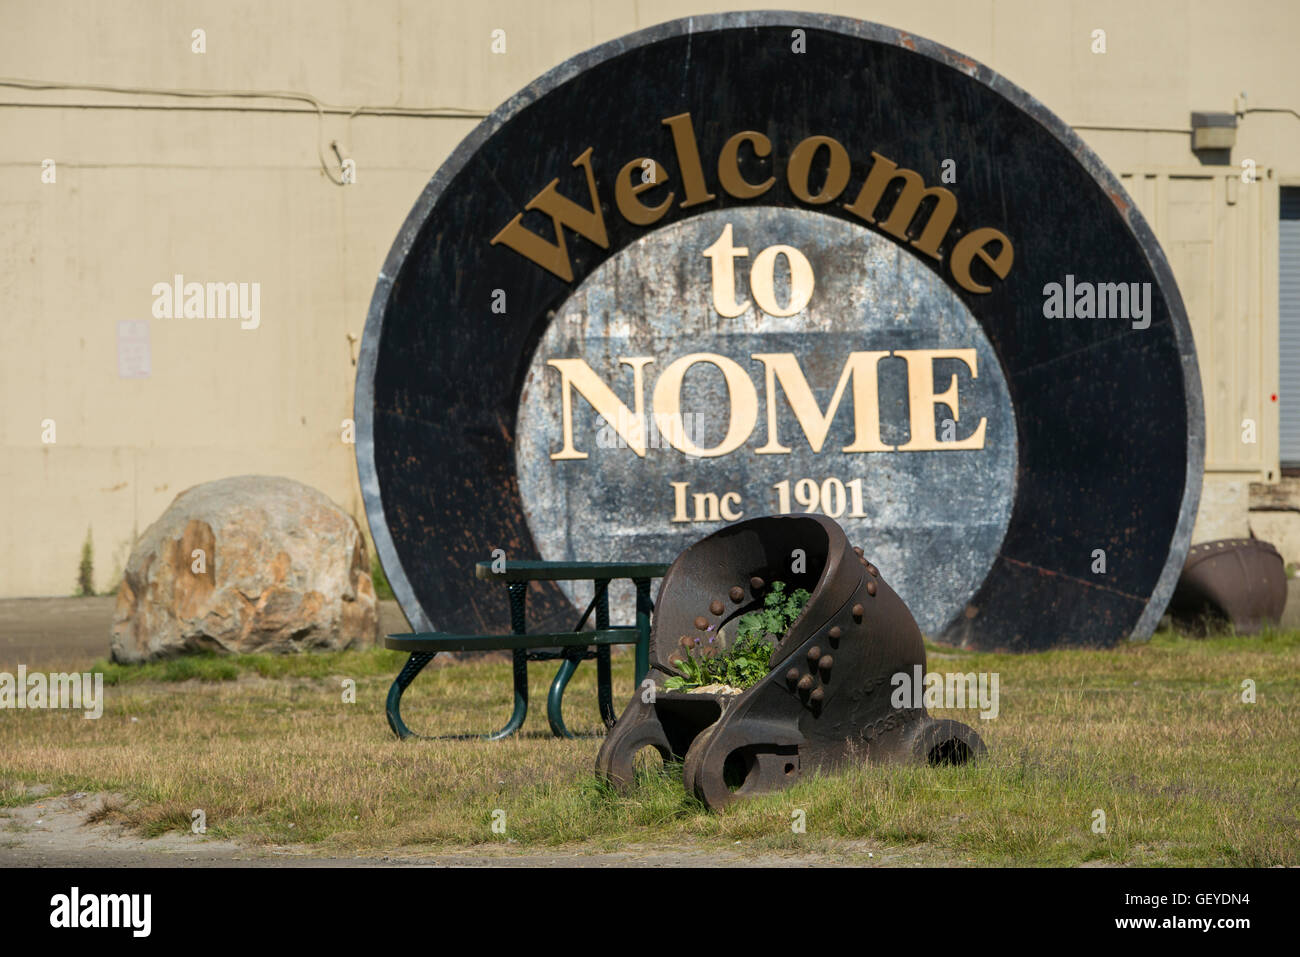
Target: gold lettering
{"x": 971, "y": 245}
{"x": 741, "y": 394}
{"x": 554, "y": 257}
{"x": 630, "y": 185}
{"x": 837, "y": 174}
{"x": 729, "y": 165}
{"x": 883, "y": 172}
{"x": 860, "y": 366}
{"x": 723, "y": 254}
{"x": 679, "y": 501}
{"x": 628, "y": 423}
{"x": 921, "y": 399}
{"x": 706, "y": 506}
{"x": 688, "y": 160}
{"x": 762, "y": 280}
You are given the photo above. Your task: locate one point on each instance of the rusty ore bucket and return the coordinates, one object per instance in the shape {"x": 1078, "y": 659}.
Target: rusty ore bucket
{"x": 827, "y": 698}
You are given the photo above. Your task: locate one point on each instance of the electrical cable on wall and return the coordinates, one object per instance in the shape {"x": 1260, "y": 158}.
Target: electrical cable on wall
{"x": 317, "y": 105}
{"x": 439, "y": 112}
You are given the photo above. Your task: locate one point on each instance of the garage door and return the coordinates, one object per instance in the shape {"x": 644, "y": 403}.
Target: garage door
{"x": 1289, "y": 326}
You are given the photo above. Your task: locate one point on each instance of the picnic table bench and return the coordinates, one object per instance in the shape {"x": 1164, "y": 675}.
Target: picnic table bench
{"x": 570, "y": 647}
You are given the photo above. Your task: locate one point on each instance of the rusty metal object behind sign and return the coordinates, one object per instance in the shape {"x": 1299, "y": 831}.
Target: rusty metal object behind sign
{"x": 827, "y": 699}
{"x": 1241, "y": 581}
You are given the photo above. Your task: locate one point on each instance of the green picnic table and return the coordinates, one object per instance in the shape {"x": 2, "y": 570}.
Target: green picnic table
{"x": 573, "y": 646}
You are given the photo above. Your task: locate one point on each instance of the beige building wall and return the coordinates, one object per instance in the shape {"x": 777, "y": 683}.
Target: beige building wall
{"x": 230, "y": 188}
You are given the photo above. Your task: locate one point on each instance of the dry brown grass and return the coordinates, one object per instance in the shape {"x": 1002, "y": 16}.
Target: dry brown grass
{"x": 1155, "y": 735}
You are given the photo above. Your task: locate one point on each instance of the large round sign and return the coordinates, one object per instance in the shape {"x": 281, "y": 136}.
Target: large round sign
{"x": 761, "y": 263}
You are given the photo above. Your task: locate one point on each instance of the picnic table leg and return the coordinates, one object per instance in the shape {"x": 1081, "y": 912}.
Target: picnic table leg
{"x": 643, "y": 628}
{"x": 604, "y": 693}
{"x": 518, "y": 599}
{"x": 604, "y": 696}
{"x": 414, "y": 665}
{"x": 555, "y": 699}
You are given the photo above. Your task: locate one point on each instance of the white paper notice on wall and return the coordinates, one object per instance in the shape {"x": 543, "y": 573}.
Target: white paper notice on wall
{"x": 133, "y": 355}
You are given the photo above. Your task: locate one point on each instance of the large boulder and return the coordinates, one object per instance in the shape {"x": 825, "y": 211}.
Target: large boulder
{"x": 246, "y": 564}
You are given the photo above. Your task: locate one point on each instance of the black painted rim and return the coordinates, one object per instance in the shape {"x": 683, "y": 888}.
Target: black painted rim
{"x": 1023, "y": 101}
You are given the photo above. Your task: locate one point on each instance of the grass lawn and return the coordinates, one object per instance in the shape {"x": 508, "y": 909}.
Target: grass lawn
{"x": 1155, "y": 735}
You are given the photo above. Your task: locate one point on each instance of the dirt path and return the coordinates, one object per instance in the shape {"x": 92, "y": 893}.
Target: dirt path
{"x": 54, "y": 832}
{"x": 37, "y": 632}
{"x": 74, "y": 632}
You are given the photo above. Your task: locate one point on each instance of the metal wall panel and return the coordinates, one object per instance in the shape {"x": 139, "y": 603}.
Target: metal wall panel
{"x": 1219, "y": 234}
{"x": 1288, "y": 262}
